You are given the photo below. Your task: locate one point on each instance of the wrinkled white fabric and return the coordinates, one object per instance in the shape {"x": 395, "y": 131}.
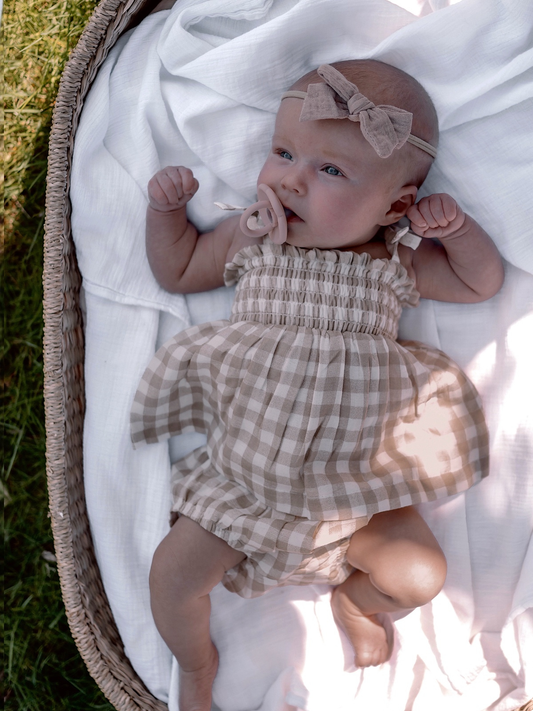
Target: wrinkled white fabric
{"x": 199, "y": 85}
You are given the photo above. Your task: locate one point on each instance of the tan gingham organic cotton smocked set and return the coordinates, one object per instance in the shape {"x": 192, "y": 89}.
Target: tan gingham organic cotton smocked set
{"x": 316, "y": 417}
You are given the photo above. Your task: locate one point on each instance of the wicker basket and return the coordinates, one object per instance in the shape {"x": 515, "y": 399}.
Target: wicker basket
{"x": 88, "y": 612}
{"x": 89, "y": 615}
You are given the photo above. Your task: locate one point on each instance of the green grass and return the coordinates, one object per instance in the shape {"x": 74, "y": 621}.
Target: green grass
{"x": 43, "y": 669}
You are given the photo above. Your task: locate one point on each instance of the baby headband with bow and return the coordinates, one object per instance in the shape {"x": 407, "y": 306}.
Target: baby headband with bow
{"x": 384, "y": 127}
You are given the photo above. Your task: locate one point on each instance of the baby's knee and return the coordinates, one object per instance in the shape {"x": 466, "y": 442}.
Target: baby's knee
{"x": 190, "y": 561}
{"x": 166, "y": 570}
{"x": 175, "y": 569}
{"x": 414, "y": 578}
{"x": 401, "y": 555}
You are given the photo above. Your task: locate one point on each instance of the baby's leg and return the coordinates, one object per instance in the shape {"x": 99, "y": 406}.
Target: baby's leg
{"x": 187, "y": 565}
{"x": 399, "y": 566}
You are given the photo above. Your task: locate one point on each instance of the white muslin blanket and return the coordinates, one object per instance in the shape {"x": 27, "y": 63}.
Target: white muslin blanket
{"x": 199, "y": 85}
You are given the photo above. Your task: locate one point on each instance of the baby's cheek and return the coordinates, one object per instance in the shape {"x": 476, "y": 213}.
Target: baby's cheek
{"x": 265, "y": 174}
{"x": 336, "y": 209}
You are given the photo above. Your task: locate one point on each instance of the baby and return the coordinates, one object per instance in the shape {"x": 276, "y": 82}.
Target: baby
{"x": 323, "y": 431}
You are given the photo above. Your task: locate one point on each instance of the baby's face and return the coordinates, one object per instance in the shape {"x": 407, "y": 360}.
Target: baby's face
{"x": 335, "y": 189}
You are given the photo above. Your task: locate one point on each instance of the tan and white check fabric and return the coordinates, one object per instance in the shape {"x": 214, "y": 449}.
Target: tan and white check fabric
{"x": 316, "y": 417}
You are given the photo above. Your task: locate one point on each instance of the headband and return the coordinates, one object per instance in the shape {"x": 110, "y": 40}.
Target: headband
{"x": 384, "y": 127}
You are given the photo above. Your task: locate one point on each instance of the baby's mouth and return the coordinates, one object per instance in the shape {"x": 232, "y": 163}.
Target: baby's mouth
{"x": 292, "y": 216}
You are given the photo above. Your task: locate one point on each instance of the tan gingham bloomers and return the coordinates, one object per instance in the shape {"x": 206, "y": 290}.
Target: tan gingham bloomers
{"x": 316, "y": 417}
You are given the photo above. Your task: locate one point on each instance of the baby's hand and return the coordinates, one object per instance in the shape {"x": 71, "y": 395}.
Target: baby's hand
{"x": 436, "y": 216}
{"x": 171, "y": 188}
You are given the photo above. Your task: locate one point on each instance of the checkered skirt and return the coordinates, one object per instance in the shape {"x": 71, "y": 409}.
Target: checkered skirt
{"x": 316, "y": 416}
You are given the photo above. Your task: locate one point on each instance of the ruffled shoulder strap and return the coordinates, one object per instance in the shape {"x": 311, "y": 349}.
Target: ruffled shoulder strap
{"x": 244, "y": 260}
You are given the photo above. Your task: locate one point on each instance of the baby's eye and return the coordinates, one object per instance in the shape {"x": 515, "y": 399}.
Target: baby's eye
{"x": 284, "y": 154}
{"x": 331, "y": 170}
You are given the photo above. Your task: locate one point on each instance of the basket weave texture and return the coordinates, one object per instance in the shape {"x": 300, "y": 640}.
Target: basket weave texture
{"x": 89, "y": 614}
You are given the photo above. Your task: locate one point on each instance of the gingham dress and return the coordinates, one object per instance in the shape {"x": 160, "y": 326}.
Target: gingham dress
{"x": 316, "y": 417}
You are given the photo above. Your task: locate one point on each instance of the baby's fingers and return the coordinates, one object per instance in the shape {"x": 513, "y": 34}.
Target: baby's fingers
{"x": 176, "y": 182}
{"x": 432, "y": 211}
{"x": 156, "y": 194}
{"x": 414, "y": 216}
{"x": 188, "y": 181}
{"x": 441, "y": 232}
{"x": 172, "y": 187}
{"x": 418, "y": 222}
{"x": 450, "y": 208}
{"x": 435, "y": 216}
{"x": 165, "y": 187}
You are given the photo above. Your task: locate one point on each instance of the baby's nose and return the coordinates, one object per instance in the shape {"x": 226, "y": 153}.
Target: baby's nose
{"x": 294, "y": 179}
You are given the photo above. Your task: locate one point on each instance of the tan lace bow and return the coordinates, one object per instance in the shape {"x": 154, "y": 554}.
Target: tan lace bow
{"x": 385, "y": 127}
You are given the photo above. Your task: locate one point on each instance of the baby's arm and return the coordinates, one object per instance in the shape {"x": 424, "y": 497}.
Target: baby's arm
{"x": 466, "y": 266}
{"x": 182, "y": 260}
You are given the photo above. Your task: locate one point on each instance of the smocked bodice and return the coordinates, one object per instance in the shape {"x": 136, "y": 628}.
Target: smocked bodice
{"x": 321, "y": 289}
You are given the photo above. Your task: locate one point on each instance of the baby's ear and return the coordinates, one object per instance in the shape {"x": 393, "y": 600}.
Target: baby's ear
{"x": 404, "y": 198}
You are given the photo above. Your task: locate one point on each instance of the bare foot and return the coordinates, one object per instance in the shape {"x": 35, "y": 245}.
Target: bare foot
{"x": 369, "y": 638}
{"x": 196, "y": 686}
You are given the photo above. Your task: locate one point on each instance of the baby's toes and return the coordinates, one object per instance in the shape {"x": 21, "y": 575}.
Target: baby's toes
{"x": 372, "y": 657}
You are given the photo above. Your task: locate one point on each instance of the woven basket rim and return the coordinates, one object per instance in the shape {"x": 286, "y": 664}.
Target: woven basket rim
{"x": 89, "y": 615}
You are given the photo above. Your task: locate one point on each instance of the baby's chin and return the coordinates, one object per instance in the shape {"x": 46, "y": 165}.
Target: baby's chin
{"x": 298, "y": 234}
{"x": 306, "y": 242}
